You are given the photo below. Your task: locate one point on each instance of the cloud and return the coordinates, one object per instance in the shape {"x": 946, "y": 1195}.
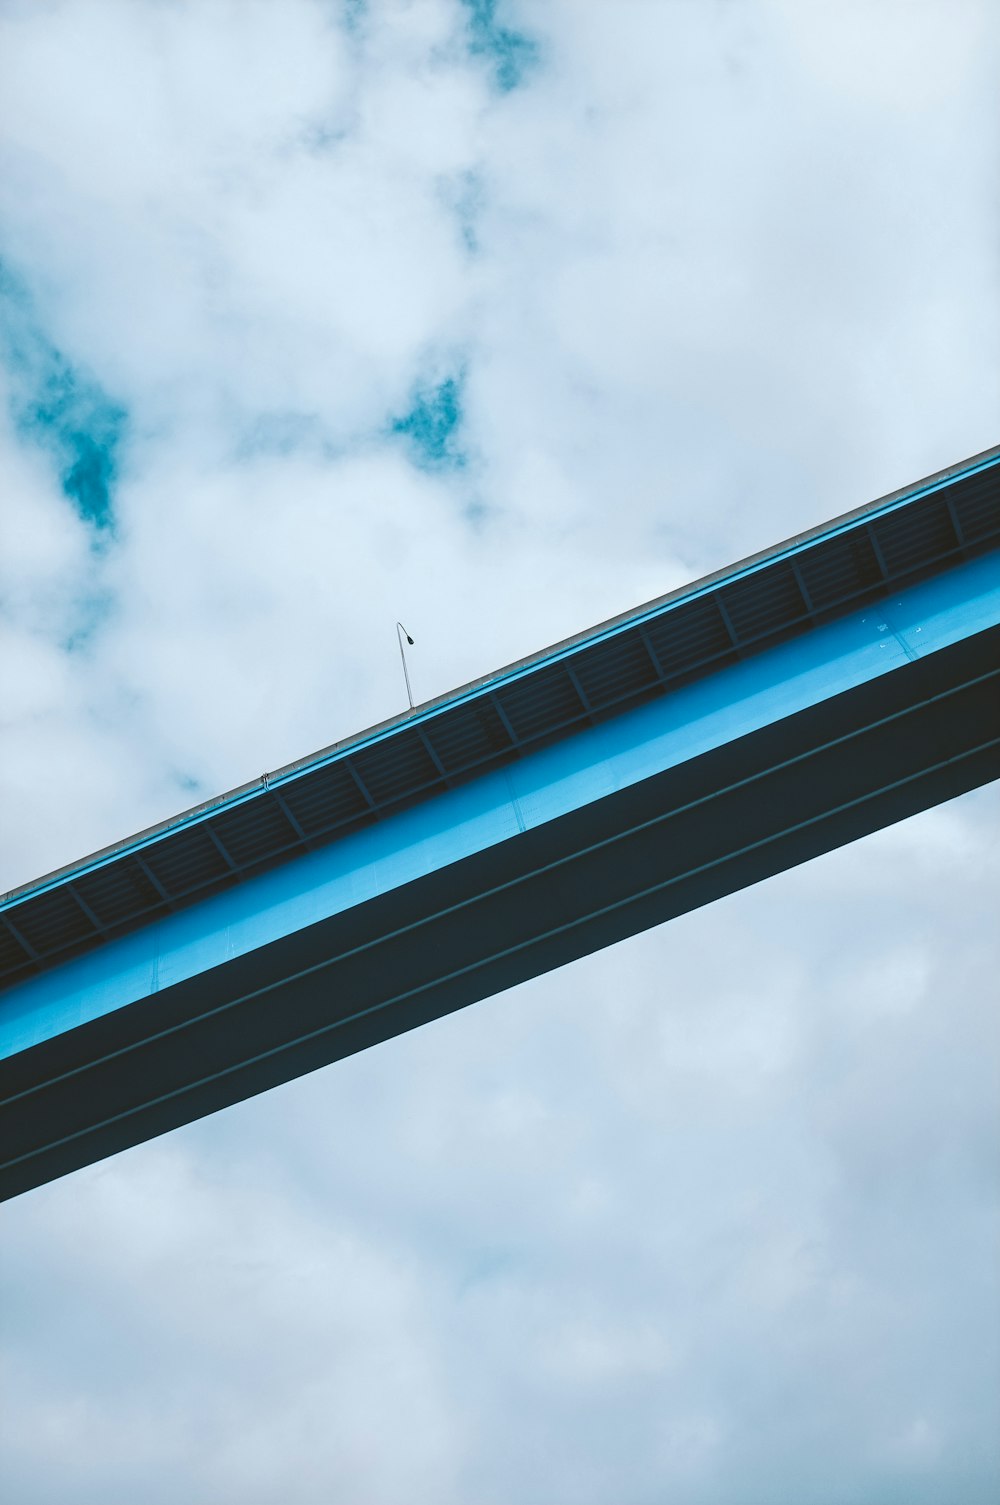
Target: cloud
{"x": 497, "y": 319}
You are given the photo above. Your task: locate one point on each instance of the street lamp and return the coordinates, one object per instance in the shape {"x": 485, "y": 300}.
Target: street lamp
{"x": 402, "y": 633}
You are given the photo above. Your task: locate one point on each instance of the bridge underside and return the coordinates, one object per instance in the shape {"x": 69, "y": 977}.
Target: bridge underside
{"x": 616, "y": 828}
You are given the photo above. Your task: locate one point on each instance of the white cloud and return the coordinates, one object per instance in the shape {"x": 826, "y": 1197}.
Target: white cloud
{"x": 709, "y": 1215}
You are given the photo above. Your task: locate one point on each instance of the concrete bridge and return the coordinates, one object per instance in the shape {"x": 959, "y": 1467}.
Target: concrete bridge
{"x": 800, "y": 699}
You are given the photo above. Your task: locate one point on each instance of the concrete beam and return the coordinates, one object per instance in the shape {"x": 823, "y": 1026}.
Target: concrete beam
{"x": 618, "y": 826}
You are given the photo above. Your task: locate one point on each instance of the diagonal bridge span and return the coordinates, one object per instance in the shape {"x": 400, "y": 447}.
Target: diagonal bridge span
{"x": 798, "y": 700}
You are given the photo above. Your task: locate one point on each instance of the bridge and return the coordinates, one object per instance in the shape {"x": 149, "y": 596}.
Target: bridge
{"x": 798, "y": 700}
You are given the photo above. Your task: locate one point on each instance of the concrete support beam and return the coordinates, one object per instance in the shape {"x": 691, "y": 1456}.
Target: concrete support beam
{"x": 615, "y": 827}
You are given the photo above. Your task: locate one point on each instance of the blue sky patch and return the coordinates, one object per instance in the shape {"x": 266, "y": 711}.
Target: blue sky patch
{"x": 353, "y": 13}
{"x": 510, "y": 52}
{"x": 60, "y": 408}
{"x": 463, "y": 194}
{"x": 432, "y": 425}
{"x": 92, "y": 608}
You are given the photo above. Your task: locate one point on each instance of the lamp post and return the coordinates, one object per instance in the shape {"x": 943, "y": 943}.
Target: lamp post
{"x": 402, "y": 633}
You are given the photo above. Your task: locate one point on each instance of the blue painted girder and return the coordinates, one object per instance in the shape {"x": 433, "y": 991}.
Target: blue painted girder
{"x": 619, "y": 826}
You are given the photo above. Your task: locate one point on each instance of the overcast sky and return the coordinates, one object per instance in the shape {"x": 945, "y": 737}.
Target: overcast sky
{"x": 498, "y": 318}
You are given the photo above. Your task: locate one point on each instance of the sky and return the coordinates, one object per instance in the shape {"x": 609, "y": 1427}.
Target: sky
{"x": 498, "y": 318}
